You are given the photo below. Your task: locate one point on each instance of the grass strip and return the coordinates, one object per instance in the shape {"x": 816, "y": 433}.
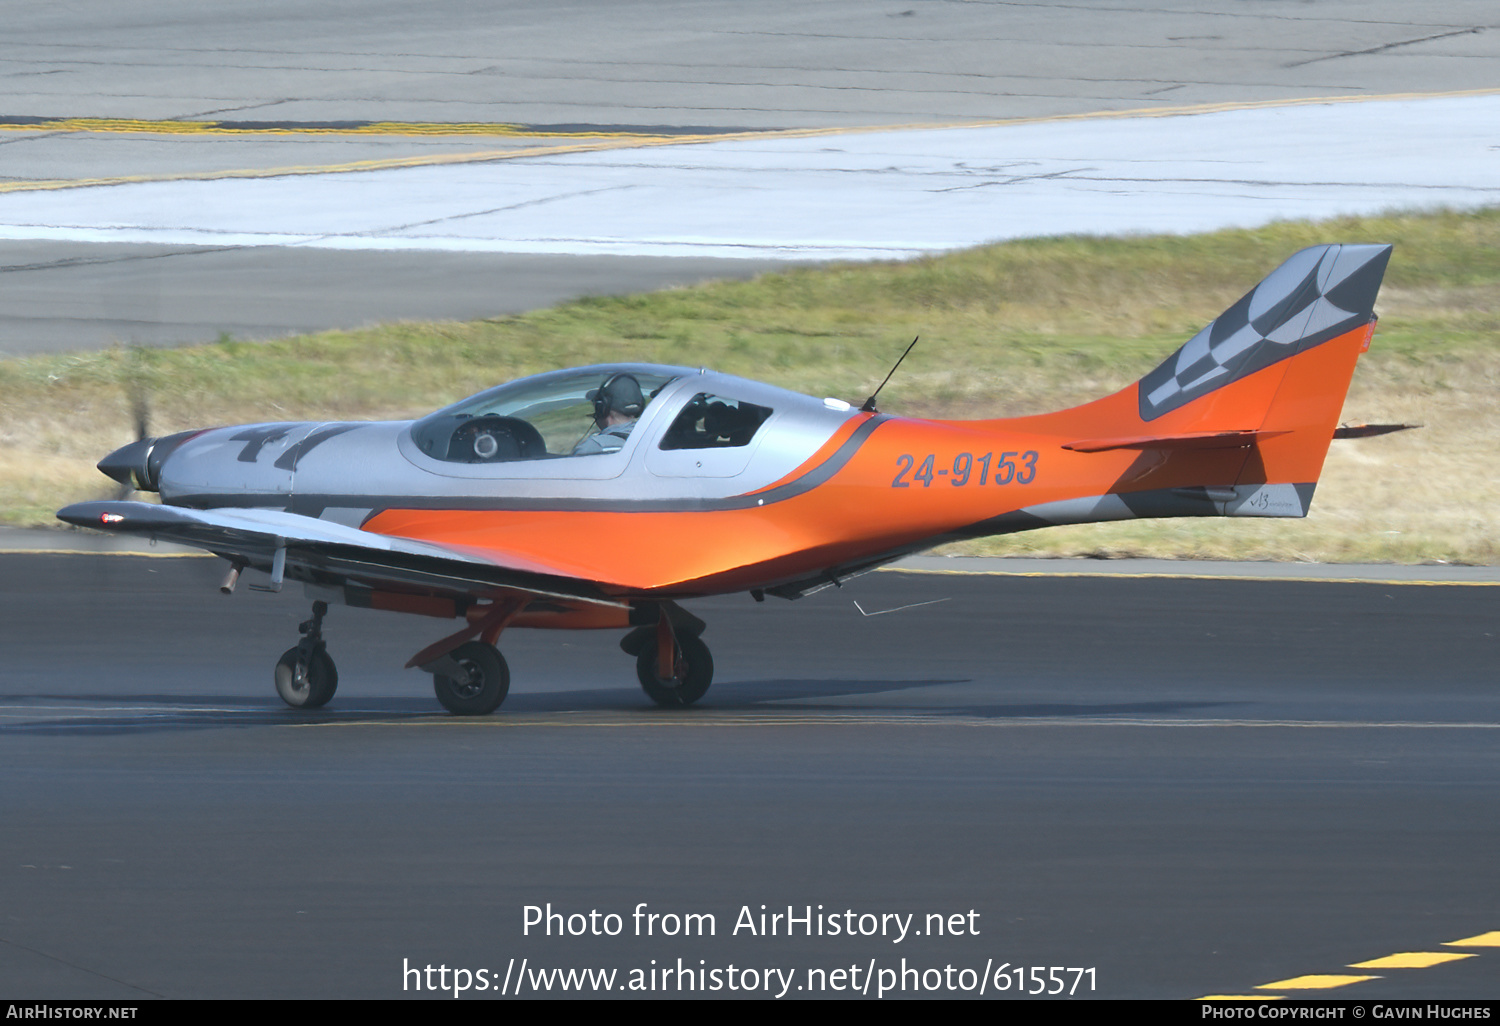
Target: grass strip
{"x": 1007, "y": 329}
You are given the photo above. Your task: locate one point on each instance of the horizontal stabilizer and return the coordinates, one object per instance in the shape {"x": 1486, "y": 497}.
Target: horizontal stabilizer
{"x": 1189, "y": 440}
{"x": 1371, "y": 430}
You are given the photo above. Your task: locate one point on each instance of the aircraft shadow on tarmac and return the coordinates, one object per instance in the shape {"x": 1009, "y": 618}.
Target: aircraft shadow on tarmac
{"x": 115, "y": 714}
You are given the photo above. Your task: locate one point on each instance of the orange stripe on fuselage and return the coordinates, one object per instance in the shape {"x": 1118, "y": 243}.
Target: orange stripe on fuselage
{"x": 860, "y": 511}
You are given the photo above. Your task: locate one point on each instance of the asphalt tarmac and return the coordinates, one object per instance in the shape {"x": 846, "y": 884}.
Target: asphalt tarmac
{"x": 67, "y": 296}
{"x": 1186, "y": 786}
{"x": 1189, "y": 787}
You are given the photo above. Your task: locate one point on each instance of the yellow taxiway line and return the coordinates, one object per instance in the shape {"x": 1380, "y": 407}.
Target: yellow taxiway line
{"x": 481, "y": 128}
{"x": 999, "y": 572}
{"x": 282, "y": 128}
{"x": 106, "y": 552}
{"x": 839, "y": 719}
{"x": 602, "y": 140}
{"x": 1150, "y": 574}
{"x": 1399, "y": 960}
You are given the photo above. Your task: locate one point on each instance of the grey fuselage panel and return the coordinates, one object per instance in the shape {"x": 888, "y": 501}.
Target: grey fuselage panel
{"x": 344, "y": 472}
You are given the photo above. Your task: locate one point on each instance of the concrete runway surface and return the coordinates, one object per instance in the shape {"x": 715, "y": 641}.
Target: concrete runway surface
{"x": 1191, "y": 786}
{"x": 845, "y": 196}
{"x": 249, "y": 94}
{"x": 1188, "y": 786}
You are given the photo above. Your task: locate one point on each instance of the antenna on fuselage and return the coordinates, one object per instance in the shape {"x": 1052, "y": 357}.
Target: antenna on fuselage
{"x": 869, "y": 406}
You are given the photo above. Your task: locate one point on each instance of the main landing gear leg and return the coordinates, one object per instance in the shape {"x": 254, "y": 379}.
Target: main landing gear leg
{"x": 470, "y": 678}
{"x": 672, "y": 663}
{"x": 305, "y": 675}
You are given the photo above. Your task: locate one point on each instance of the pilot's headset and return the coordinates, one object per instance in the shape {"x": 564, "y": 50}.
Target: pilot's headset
{"x": 621, "y": 393}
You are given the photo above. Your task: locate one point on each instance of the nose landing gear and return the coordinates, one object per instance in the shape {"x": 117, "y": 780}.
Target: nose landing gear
{"x": 692, "y": 673}
{"x": 672, "y": 663}
{"x": 305, "y": 675}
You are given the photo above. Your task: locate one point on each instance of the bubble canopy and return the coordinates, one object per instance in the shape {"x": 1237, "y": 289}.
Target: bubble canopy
{"x": 542, "y": 416}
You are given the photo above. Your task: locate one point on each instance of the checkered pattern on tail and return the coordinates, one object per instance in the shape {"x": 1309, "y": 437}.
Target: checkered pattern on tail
{"x": 1318, "y": 294}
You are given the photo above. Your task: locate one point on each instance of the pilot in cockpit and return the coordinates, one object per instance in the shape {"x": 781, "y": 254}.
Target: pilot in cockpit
{"x": 617, "y": 406}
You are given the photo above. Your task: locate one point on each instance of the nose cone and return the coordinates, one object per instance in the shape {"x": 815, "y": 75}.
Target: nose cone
{"x": 127, "y": 465}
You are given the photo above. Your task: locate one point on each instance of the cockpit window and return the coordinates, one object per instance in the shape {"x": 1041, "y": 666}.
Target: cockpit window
{"x": 535, "y": 418}
{"x": 714, "y": 422}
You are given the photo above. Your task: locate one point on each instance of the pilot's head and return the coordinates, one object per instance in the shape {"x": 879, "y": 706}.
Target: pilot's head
{"x": 617, "y": 400}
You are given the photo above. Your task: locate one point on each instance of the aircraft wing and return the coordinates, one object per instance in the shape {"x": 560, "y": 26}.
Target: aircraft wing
{"x": 322, "y": 552}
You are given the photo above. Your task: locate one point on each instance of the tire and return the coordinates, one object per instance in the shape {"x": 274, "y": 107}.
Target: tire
{"x": 315, "y": 689}
{"x": 485, "y": 686}
{"x": 695, "y": 672}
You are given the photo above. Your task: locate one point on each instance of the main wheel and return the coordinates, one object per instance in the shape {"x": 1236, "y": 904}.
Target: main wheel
{"x": 311, "y": 689}
{"x": 483, "y": 686}
{"x": 694, "y": 673}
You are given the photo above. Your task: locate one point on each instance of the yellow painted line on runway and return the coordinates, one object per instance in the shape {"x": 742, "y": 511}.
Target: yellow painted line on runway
{"x": 518, "y": 130}
{"x": 1153, "y": 575}
{"x": 626, "y": 719}
{"x": 1163, "y": 575}
{"x": 284, "y": 128}
{"x": 834, "y": 719}
{"x": 106, "y": 552}
{"x": 384, "y": 164}
{"x": 1399, "y": 960}
{"x": 1241, "y": 997}
{"x": 629, "y": 142}
{"x": 438, "y": 720}
{"x": 1484, "y": 940}
{"x": 1324, "y": 981}
{"x": 1412, "y": 960}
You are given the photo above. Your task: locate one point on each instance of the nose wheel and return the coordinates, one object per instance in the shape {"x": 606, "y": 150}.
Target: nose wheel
{"x": 305, "y": 675}
{"x": 671, "y": 661}
{"x": 692, "y": 673}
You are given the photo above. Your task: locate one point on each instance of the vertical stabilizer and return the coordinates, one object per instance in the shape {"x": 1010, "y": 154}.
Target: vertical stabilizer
{"x": 1319, "y": 294}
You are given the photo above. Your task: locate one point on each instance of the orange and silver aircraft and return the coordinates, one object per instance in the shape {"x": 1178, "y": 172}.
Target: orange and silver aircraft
{"x": 688, "y": 483}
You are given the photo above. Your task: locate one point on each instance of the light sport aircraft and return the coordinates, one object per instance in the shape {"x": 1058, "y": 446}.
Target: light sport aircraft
{"x": 493, "y": 513}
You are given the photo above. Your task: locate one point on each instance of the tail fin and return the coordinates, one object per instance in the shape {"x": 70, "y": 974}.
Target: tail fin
{"x": 1319, "y": 294}
{"x": 1238, "y": 421}
{"x": 1313, "y": 315}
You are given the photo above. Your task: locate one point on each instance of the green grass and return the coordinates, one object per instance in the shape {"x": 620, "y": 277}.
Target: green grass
{"x": 1007, "y": 329}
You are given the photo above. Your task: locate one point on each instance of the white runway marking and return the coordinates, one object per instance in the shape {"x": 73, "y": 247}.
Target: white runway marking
{"x": 866, "y": 195}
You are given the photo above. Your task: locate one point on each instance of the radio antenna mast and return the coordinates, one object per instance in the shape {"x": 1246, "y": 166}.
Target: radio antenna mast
{"x": 869, "y": 406}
